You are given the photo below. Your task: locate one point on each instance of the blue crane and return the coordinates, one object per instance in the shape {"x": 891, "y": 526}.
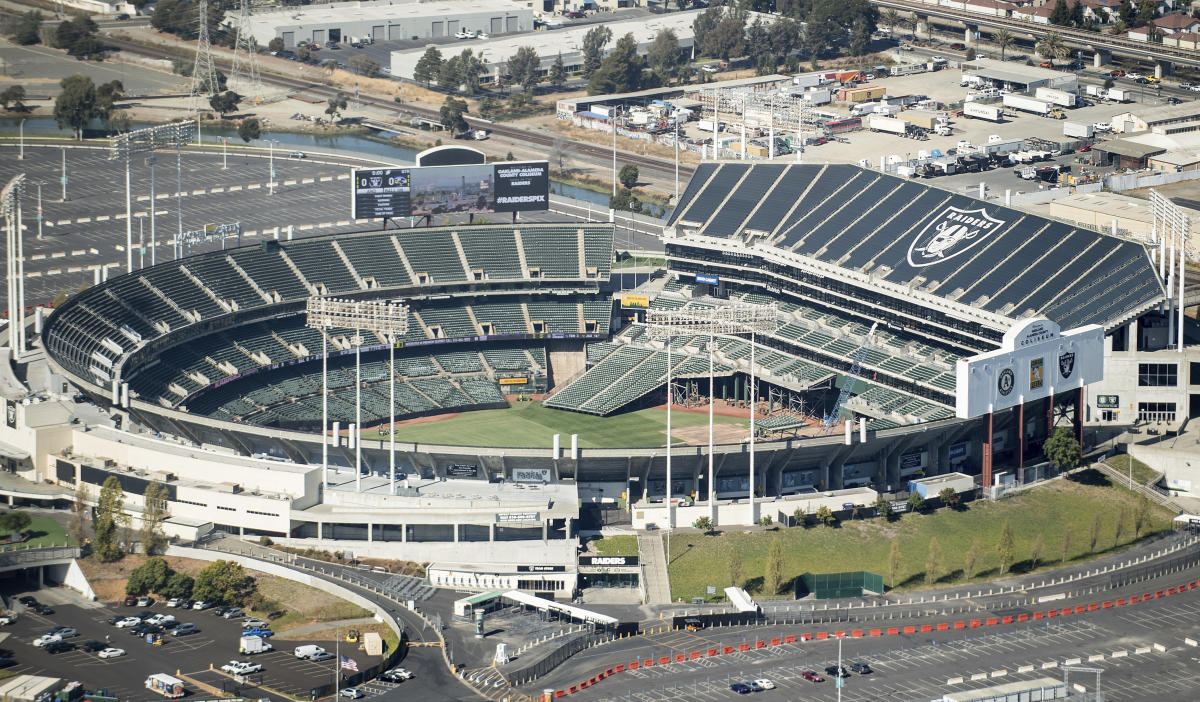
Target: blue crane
{"x": 851, "y": 379}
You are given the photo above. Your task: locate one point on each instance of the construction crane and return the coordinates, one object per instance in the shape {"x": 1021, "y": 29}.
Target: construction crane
{"x": 851, "y": 379}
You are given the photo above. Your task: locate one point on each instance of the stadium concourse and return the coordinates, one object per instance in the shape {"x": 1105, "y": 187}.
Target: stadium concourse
{"x": 892, "y": 298}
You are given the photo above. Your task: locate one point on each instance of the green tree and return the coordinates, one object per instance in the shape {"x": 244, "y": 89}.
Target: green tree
{"x": 628, "y": 175}
{"x": 1005, "y": 548}
{"x": 78, "y": 36}
{"x": 949, "y": 497}
{"x": 883, "y": 508}
{"x": 558, "y": 72}
{"x": 223, "y": 582}
{"x": 1063, "y": 449}
{"x": 1094, "y": 533}
{"x": 1077, "y": 19}
{"x": 784, "y": 35}
{"x": 933, "y": 562}
{"x": 894, "y": 561}
{"x": 1035, "y": 551}
{"x": 275, "y": 45}
{"x": 663, "y": 55}
{"x": 335, "y": 106}
{"x": 736, "y": 573}
{"x": 77, "y": 526}
{"x": 799, "y": 517}
{"x": 1066, "y": 543}
{"x": 766, "y": 520}
{"x": 1051, "y": 46}
{"x": 728, "y": 38}
{"x": 151, "y": 576}
{"x": 12, "y": 98}
{"x": 1127, "y": 13}
{"x": 620, "y": 71}
{"x": 118, "y": 121}
{"x": 363, "y": 66}
{"x": 429, "y": 66}
{"x": 452, "y": 113}
{"x": 468, "y": 71}
{"x": 107, "y": 95}
{"x": 1060, "y": 14}
{"x": 704, "y": 524}
{"x": 525, "y": 67}
{"x": 1141, "y": 516}
{"x": 109, "y": 515}
{"x": 1145, "y": 12}
{"x": 224, "y": 103}
{"x": 593, "y": 47}
{"x": 28, "y": 29}
{"x": 916, "y": 503}
{"x": 825, "y": 516}
{"x": 1003, "y": 39}
{"x": 14, "y": 522}
{"x": 774, "y": 575}
{"x": 971, "y": 559}
{"x": 890, "y": 18}
{"x": 970, "y": 55}
{"x": 860, "y": 37}
{"x": 178, "y": 585}
{"x": 1119, "y": 527}
{"x": 75, "y": 105}
{"x": 249, "y": 129}
{"x": 154, "y": 513}
{"x": 181, "y": 18}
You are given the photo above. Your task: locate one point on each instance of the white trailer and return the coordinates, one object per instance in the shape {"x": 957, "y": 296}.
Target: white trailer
{"x": 1120, "y": 94}
{"x": 907, "y": 69}
{"x": 879, "y": 123}
{"x": 1058, "y": 97}
{"x": 1078, "y": 130}
{"x": 1096, "y": 91}
{"x": 978, "y": 110}
{"x": 1027, "y": 104}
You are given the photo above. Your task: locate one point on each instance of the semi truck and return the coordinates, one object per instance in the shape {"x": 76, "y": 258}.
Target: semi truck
{"x": 879, "y": 123}
{"x": 1056, "y": 97}
{"x": 991, "y": 113}
{"x": 1033, "y": 105}
{"x": 1078, "y": 130}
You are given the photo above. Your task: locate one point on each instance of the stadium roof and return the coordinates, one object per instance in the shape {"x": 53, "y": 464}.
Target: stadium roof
{"x": 977, "y": 254}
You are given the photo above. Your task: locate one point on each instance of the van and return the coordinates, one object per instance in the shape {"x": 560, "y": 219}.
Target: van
{"x": 308, "y": 651}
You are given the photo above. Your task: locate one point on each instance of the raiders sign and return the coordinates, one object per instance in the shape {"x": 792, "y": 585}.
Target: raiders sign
{"x": 952, "y": 232}
{"x": 1006, "y": 382}
{"x": 1066, "y": 364}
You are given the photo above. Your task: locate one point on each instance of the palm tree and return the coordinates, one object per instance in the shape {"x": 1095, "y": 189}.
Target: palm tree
{"x": 1004, "y": 39}
{"x": 1051, "y": 47}
{"x": 911, "y": 23}
{"x": 891, "y": 18}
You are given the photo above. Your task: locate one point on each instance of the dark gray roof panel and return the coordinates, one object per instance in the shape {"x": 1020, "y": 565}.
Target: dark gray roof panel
{"x": 973, "y": 251}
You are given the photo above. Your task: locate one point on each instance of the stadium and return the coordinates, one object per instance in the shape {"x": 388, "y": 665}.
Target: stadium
{"x": 882, "y": 287}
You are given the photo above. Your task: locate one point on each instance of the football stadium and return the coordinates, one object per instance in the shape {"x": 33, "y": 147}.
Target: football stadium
{"x": 900, "y": 332}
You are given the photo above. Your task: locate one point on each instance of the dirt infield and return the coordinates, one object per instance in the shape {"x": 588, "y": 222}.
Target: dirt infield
{"x": 722, "y": 434}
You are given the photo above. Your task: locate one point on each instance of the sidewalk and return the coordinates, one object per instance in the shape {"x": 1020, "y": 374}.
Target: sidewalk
{"x": 654, "y": 568}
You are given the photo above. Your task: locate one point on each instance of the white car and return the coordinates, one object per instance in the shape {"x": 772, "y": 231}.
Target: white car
{"x": 765, "y": 684}
{"x": 710, "y": 68}
{"x": 352, "y": 692}
{"x": 1134, "y": 76}
{"x": 160, "y": 618}
{"x": 111, "y": 653}
{"x": 128, "y": 622}
{"x": 253, "y": 623}
{"x": 482, "y": 35}
{"x": 1102, "y": 127}
{"x": 201, "y": 604}
{"x": 241, "y": 667}
{"x": 464, "y": 34}
{"x": 402, "y": 673}
{"x": 173, "y": 602}
{"x": 45, "y": 639}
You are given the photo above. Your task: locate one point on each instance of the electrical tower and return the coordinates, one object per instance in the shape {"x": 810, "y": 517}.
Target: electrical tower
{"x": 245, "y": 58}
{"x": 204, "y": 71}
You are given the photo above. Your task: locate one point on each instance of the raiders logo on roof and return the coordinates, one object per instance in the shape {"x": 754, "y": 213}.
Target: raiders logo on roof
{"x": 953, "y": 232}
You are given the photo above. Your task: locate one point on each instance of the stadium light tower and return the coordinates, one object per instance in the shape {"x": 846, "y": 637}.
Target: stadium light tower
{"x": 148, "y": 140}
{"x": 10, "y": 201}
{"x": 723, "y": 320}
{"x": 1169, "y": 224}
{"x": 387, "y": 318}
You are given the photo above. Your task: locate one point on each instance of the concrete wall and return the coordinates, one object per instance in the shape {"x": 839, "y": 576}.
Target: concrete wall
{"x": 76, "y": 580}
{"x": 1180, "y": 466}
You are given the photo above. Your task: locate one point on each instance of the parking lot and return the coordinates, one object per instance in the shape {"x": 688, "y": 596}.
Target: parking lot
{"x": 197, "y": 656}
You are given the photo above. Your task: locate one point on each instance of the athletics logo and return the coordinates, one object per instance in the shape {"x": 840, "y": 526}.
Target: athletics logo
{"x": 1006, "y": 382}
{"x": 954, "y": 231}
{"x": 1066, "y": 364}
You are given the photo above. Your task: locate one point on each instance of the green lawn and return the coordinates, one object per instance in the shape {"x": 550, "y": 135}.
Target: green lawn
{"x": 1142, "y": 473}
{"x": 44, "y": 531}
{"x": 622, "y": 545}
{"x": 698, "y": 560}
{"x": 529, "y": 424}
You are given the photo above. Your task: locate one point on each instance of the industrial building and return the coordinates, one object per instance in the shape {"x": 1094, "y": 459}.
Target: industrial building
{"x": 390, "y": 21}
{"x": 1120, "y": 214}
{"x": 1165, "y": 119}
{"x": 1019, "y": 77}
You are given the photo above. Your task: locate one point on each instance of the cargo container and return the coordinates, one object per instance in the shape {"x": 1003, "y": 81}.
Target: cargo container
{"x": 931, "y": 487}
{"x": 1096, "y": 91}
{"x": 878, "y": 123}
{"x": 1027, "y": 104}
{"x": 1078, "y": 130}
{"x": 707, "y": 125}
{"x": 165, "y": 685}
{"x": 1057, "y": 97}
{"x": 253, "y": 644}
{"x": 992, "y": 113}
{"x": 1120, "y": 94}
{"x": 861, "y": 93}
{"x": 920, "y": 118}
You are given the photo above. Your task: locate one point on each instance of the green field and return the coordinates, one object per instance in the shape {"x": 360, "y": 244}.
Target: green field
{"x": 619, "y": 545}
{"x": 698, "y": 560}
{"x": 44, "y": 531}
{"x": 1141, "y": 472}
{"x": 529, "y": 424}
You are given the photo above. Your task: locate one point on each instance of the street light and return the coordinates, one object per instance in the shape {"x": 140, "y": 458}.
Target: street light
{"x": 387, "y": 318}
{"x": 138, "y": 141}
{"x": 21, "y": 155}
{"x": 10, "y": 201}
{"x": 271, "y": 160}
{"x": 723, "y": 320}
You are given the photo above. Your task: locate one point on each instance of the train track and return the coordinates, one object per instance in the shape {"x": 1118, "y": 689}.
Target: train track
{"x": 525, "y": 136}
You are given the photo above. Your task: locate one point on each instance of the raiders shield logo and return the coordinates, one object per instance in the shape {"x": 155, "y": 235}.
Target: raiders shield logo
{"x": 376, "y": 181}
{"x": 1066, "y": 364}
{"x": 952, "y": 232}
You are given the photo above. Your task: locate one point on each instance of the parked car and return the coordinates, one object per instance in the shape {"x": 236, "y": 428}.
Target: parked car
{"x": 92, "y": 646}
{"x": 160, "y": 618}
{"x": 576, "y": 15}
{"x": 128, "y": 622}
{"x": 958, "y": 46}
{"x": 232, "y": 612}
{"x": 741, "y": 688}
{"x": 837, "y": 671}
{"x": 44, "y": 610}
{"x": 322, "y": 656}
{"x": 352, "y": 692}
{"x": 130, "y": 601}
{"x": 463, "y": 34}
{"x": 44, "y": 639}
{"x": 173, "y": 602}
{"x": 254, "y": 623}
{"x": 59, "y": 647}
{"x": 144, "y": 601}
{"x": 765, "y": 684}
{"x": 861, "y": 668}
{"x": 402, "y": 673}
{"x": 185, "y": 629}
{"x": 27, "y": 600}
{"x": 201, "y": 605}
{"x": 812, "y": 676}
{"x": 64, "y": 631}
{"x": 258, "y": 631}
{"x": 111, "y": 653}
{"x": 241, "y": 667}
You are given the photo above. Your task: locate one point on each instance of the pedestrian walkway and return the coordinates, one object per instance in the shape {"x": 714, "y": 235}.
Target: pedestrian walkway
{"x": 654, "y": 568}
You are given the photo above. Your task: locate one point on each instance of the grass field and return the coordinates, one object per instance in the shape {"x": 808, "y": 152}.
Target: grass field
{"x": 44, "y": 531}
{"x": 529, "y": 424}
{"x": 1142, "y": 473}
{"x": 620, "y": 545}
{"x": 698, "y": 560}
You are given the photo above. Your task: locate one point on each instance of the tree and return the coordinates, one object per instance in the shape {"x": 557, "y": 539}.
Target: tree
{"x": 1035, "y": 552}
{"x": 825, "y": 516}
{"x": 970, "y": 55}
{"x": 75, "y": 105}
{"x": 153, "y": 514}
{"x": 593, "y": 46}
{"x": 178, "y": 585}
{"x": 883, "y": 508}
{"x": 335, "y": 106}
{"x": 621, "y": 70}
{"x": 765, "y": 520}
{"x": 14, "y": 522}
{"x": 704, "y": 524}
{"x": 1060, "y": 14}
{"x": 774, "y": 575}
{"x": 558, "y": 72}
{"x": 1126, "y": 12}
{"x": 894, "y": 561}
{"x": 1141, "y": 516}
{"x": 151, "y": 576}
{"x": 891, "y": 18}
{"x": 109, "y": 514}
{"x": 429, "y": 66}
{"x": 363, "y": 66}
{"x": 663, "y": 55}
{"x": 628, "y": 175}
{"x": 1094, "y": 533}
{"x": 469, "y": 69}
{"x": 784, "y": 35}
{"x": 275, "y": 45}
{"x": 1066, "y": 543}
{"x": 1063, "y": 449}
{"x": 224, "y": 103}
{"x": 728, "y": 37}
{"x": 1122, "y": 517}
{"x": 525, "y": 67}
{"x": 107, "y": 95}
{"x": 916, "y": 503}
{"x": 736, "y": 574}
{"x": 933, "y": 562}
{"x": 77, "y": 36}
{"x": 860, "y": 37}
{"x": 1145, "y": 12}
{"x": 1077, "y": 19}
{"x": 799, "y": 517}
{"x": 223, "y": 582}
{"x": 1004, "y": 39}
{"x": 78, "y": 523}
{"x": 28, "y": 29}
{"x": 1051, "y": 46}
{"x": 452, "y": 113}
{"x": 12, "y": 98}
{"x": 971, "y": 559}
{"x": 118, "y": 121}
{"x": 949, "y": 497}
{"x": 250, "y": 128}
{"x": 1005, "y": 547}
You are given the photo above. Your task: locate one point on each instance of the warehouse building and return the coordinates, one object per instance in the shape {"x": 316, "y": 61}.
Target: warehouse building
{"x": 390, "y": 21}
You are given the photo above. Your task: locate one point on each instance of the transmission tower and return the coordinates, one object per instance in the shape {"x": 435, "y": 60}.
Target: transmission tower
{"x": 204, "y": 71}
{"x": 245, "y": 57}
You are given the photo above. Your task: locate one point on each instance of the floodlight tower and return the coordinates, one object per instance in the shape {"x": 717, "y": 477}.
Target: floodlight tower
{"x": 387, "y": 318}
{"x": 10, "y": 201}
{"x": 147, "y": 141}
{"x": 723, "y": 320}
{"x": 1170, "y": 223}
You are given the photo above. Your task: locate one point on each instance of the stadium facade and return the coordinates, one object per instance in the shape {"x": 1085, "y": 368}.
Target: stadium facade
{"x": 211, "y": 380}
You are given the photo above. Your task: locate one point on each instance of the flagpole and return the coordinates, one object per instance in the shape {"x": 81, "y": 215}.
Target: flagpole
{"x": 337, "y": 669}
